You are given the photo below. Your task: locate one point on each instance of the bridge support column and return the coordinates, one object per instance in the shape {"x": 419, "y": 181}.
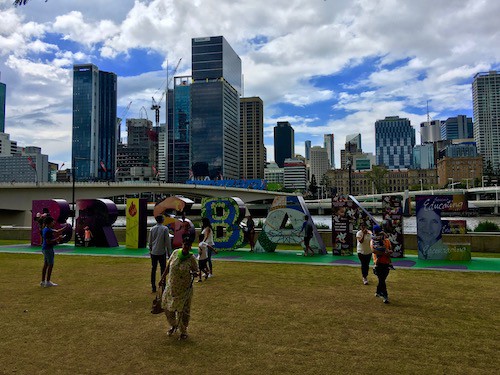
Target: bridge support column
{"x": 321, "y": 210}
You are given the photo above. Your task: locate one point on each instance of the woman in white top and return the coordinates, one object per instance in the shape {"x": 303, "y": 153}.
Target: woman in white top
{"x": 208, "y": 242}
{"x": 364, "y": 250}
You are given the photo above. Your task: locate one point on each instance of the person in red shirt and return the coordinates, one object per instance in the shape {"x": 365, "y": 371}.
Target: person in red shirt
{"x": 382, "y": 261}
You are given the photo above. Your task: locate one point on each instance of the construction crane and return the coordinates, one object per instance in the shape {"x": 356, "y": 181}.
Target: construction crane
{"x": 120, "y": 118}
{"x": 155, "y": 106}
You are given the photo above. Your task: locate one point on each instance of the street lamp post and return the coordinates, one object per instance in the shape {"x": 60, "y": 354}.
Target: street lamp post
{"x": 349, "y": 166}
{"x": 452, "y": 184}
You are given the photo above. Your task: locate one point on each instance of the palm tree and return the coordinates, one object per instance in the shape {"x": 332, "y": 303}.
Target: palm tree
{"x": 377, "y": 177}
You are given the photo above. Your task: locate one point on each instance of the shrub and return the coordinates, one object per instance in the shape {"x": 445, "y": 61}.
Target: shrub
{"x": 487, "y": 226}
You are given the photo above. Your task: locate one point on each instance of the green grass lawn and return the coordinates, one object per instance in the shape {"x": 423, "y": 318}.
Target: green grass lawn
{"x": 249, "y": 319}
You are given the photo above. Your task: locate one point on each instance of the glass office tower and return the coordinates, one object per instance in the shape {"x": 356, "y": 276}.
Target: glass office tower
{"x": 3, "y": 94}
{"x": 215, "y": 109}
{"x": 179, "y": 164}
{"x": 394, "y": 142}
{"x": 284, "y": 142}
{"x": 94, "y": 139}
{"x": 459, "y": 127}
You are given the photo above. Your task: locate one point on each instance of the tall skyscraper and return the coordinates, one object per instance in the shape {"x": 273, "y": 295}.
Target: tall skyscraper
{"x": 320, "y": 163}
{"x": 329, "y": 145}
{"x": 284, "y": 142}
{"x": 3, "y": 95}
{"x": 486, "y": 107}
{"x": 178, "y": 137}
{"x": 215, "y": 108}
{"x": 430, "y": 131}
{"x": 94, "y": 140}
{"x": 252, "y": 151}
{"x": 459, "y": 127}
{"x": 307, "y": 145}
{"x": 394, "y": 142}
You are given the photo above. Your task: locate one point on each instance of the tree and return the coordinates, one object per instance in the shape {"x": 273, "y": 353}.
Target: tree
{"x": 377, "y": 177}
{"x": 313, "y": 186}
{"x": 326, "y": 183}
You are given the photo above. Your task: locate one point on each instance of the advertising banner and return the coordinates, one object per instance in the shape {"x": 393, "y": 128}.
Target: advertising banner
{"x": 392, "y": 208}
{"x": 136, "y": 219}
{"x": 344, "y": 211}
{"x": 430, "y": 227}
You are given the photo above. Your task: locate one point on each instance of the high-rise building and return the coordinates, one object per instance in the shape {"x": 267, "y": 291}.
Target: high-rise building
{"x": 295, "y": 174}
{"x": 459, "y": 127}
{"x": 486, "y": 106}
{"x": 178, "y": 140}
{"x": 430, "y": 131}
{"x": 134, "y": 157}
{"x": 284, "y": 142}
{"x": 3, "y": 95}
{"x": 252, "y": 152}
{"x": 353, "y": 142}
{"x": 319, "y": 163}
{"x": 423, "y": 156}
{"x": 307, "y": 145}
{"x": 329, "y": 145}
{"x": 352, "y": 148}
{"x": 394, "y": 142}
{"x": 7, "y": 146}
{"x": 94, "y": 141}
{"x": 215, "y": 108}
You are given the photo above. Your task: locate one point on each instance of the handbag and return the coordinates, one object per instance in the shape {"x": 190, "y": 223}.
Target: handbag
{"x": 156, "y": 306}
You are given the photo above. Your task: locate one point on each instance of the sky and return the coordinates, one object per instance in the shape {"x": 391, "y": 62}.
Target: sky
{"x": 326, "y": 66}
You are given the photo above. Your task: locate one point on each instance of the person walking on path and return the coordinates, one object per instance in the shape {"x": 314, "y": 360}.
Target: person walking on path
{"x": 178, "y": 279}
{"x": 208, "y": 240}
{"x": 364, "y": 250}
{"x": 160, "y": 248}
{"x": 49, "y": 239}
{"x": 382, "y": 260}
{"x": 250, "y": 232}
{"x": 307, "y": 228}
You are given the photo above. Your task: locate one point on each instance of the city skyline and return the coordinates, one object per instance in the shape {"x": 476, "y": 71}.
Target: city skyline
{"x": 326, "y": 67}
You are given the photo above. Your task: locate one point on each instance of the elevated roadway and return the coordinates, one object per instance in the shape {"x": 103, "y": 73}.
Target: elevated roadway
{"x": 16, "y": 198}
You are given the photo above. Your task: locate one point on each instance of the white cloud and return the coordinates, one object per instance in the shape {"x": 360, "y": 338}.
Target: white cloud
{"x": 291, "y": 52}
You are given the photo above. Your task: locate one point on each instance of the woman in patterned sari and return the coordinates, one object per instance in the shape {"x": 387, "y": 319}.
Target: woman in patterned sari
{"x": 178, "y": 293}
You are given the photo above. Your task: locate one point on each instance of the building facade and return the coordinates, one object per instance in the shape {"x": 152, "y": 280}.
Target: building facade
{"x": 284, "y": 142}
{"x": 7, "y": 146}
{"x": 307, "y": 149}
{"x": 466, "y": 170}
{"x": 486, "y": 109}
{"x": 295, "y": 174}
{"x": 137, "y": 152}
{"x": 394, "y": 142}
{"x": 430, "y": 131}
{"x": 424, "y": 156}
{"x": 94, "y": 139}
{"x": 319, "y": 163}
{"x": 215, "y": 109}
{"x": 394, "y": 181}
{"x": 274, "y": 174}
{"x": 252, "y": 151}
{"x": 27, "y": 165}
{"x": 329, "y": 145}
{"x": 458, "y": 127}
{"x": 179, "y": 163}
